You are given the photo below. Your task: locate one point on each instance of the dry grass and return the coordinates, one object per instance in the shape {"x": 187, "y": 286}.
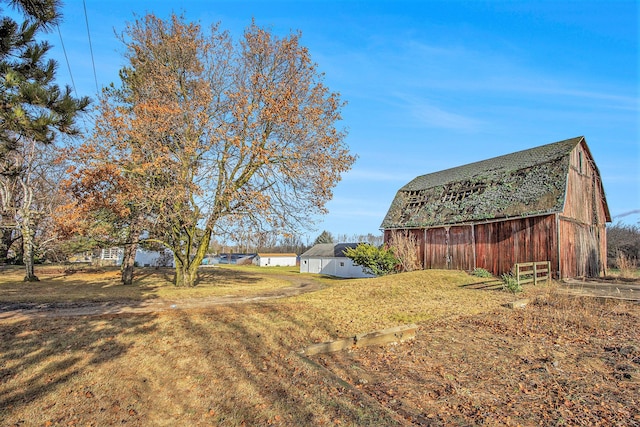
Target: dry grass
{"x": 560, "y": 361}
{"x": 231, "y": 366}
{"x": 356, "y": 306}
{"x": 58, "y": 284}
{"x": 627, "y": 267}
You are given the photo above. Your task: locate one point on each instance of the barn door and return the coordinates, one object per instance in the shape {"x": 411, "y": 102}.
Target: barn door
{"x": 459, "y": 243}
{"x": 449, "y": 248}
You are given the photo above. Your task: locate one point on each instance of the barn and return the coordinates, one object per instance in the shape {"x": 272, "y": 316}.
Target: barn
{"x": 542, "y": 204}
{"x": 329, "y": 258}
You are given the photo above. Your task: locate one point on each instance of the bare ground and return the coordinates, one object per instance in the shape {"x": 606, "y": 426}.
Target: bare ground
{"x": 563, "y": 360}
{"x": 299, "y": 285}
{"x": 560, "y": 361}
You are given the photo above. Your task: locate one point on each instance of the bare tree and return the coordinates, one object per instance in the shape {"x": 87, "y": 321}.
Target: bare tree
{"x": 211, "y": 133}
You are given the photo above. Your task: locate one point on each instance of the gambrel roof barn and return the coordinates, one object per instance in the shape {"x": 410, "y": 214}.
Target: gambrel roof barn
{"x": 542, "y": 204}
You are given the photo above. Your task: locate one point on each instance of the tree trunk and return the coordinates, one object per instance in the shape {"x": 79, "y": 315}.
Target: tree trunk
{"x": 28, "y": 250}
{"x": 6, "y": 240}
{"x": 187, "y": 269}
{"x": 128, "y": 263}
{"x": 129, "y": 257}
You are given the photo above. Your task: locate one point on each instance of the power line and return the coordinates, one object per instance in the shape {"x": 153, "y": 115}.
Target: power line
{"x": 66, "y": 58}
{"x": 86, "y": 19}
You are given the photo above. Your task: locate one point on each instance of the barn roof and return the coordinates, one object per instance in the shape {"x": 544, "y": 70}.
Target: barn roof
{"x": 328, "y": 250}
{"x": 525, "y": 183}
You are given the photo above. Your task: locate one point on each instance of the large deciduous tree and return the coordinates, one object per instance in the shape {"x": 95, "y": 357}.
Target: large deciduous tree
{"x": 211, "y": 132}
{"x": 34, "y": 111}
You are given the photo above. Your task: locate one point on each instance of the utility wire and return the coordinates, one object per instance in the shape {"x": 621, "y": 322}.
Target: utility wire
{"x": 86, "y": 19}
{"x": 66, "y": 58}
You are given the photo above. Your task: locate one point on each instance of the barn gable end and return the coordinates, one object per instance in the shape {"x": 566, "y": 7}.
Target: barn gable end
{"x": 545, "y": 203}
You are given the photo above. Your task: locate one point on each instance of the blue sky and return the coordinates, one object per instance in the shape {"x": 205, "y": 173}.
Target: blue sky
{"x": 429, "y": 84}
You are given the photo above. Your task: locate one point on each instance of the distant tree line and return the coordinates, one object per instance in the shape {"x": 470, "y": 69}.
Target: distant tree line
{"x": 623, "y": 242}
{"x": 256, "y": 241}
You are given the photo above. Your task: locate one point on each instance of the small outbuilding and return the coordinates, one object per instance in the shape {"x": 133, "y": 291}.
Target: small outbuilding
{"x": 275, "y": 260}
{"x": 329, "y": 259}
{"x": 144, "y": 258}
{"x": 542, "y": 204}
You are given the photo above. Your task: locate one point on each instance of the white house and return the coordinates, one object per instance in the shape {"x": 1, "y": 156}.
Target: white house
{"x": 273, "y": 260}
{"x": 329, "y": 258}
{"x": 144, "y": 258}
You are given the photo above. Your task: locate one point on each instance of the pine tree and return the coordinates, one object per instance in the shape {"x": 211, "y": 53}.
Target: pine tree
{"x": 324, "y": 237}
{"x": 34, "y": 111}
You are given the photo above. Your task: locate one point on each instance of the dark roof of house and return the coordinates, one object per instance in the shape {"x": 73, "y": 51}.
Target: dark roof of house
{"x": 525, "y": 183}
{"x": 328, "y": 250}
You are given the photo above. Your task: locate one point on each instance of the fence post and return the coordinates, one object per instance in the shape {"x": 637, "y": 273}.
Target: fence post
{"x": 535, "y": 274}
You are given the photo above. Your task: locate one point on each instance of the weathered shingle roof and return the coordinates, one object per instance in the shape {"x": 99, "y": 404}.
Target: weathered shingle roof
{"x": 328, "y": 250}
{"x": 524, "y": 183}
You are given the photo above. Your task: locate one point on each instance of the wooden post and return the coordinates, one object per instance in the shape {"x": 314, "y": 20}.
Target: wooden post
{"x": 535, "y": 274}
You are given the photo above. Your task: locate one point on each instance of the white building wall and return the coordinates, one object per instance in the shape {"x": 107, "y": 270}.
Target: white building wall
{"x": 146, "y": 258}
{"x": 339, "y": 267}
{"x": 275, "y": 261}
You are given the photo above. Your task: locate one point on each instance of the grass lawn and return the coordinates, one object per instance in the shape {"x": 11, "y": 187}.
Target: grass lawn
{"x": 64, "y": 284}
{"x": 239, "y": 364}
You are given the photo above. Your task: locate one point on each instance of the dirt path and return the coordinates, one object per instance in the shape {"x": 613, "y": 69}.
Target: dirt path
{"x": 20, "y": 311}
{"x": 625, "y": 290}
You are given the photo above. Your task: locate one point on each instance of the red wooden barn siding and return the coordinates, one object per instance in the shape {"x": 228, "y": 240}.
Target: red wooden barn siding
{"x": 495, "y": 246}
{"x": 449, "y": 248}
{"x": 581, "y": 252}
{"x": 500, "y": 245}
{"x": 583, "y": 242}
{"x": 419, "y": 237}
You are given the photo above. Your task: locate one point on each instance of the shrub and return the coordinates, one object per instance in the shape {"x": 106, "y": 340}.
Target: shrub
{"x": 373, "y": 260}
{"x": 404, "y": 245}
{"x": 481, "y": 272}
{"x": 626, "y": 265}
{"x": 510, "y": 283}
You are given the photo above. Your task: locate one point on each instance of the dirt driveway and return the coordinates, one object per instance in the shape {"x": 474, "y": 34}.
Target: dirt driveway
{"x": 618, "y": 289}
{"x": 18, "y": 311}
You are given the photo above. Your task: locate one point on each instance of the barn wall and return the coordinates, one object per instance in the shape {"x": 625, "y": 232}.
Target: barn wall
{"x": 449, "y": 248}
{"x": 500, "y": 245}
{"x": 584, "y": 199}
{"x": 418, "y": 235}
{"x": 436, "y": 248}
{"x": 494, "y": 246}
{"x": 444, "y": 247}
{"x": 582, "y": 253}
{"x": 583, "y": 223}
